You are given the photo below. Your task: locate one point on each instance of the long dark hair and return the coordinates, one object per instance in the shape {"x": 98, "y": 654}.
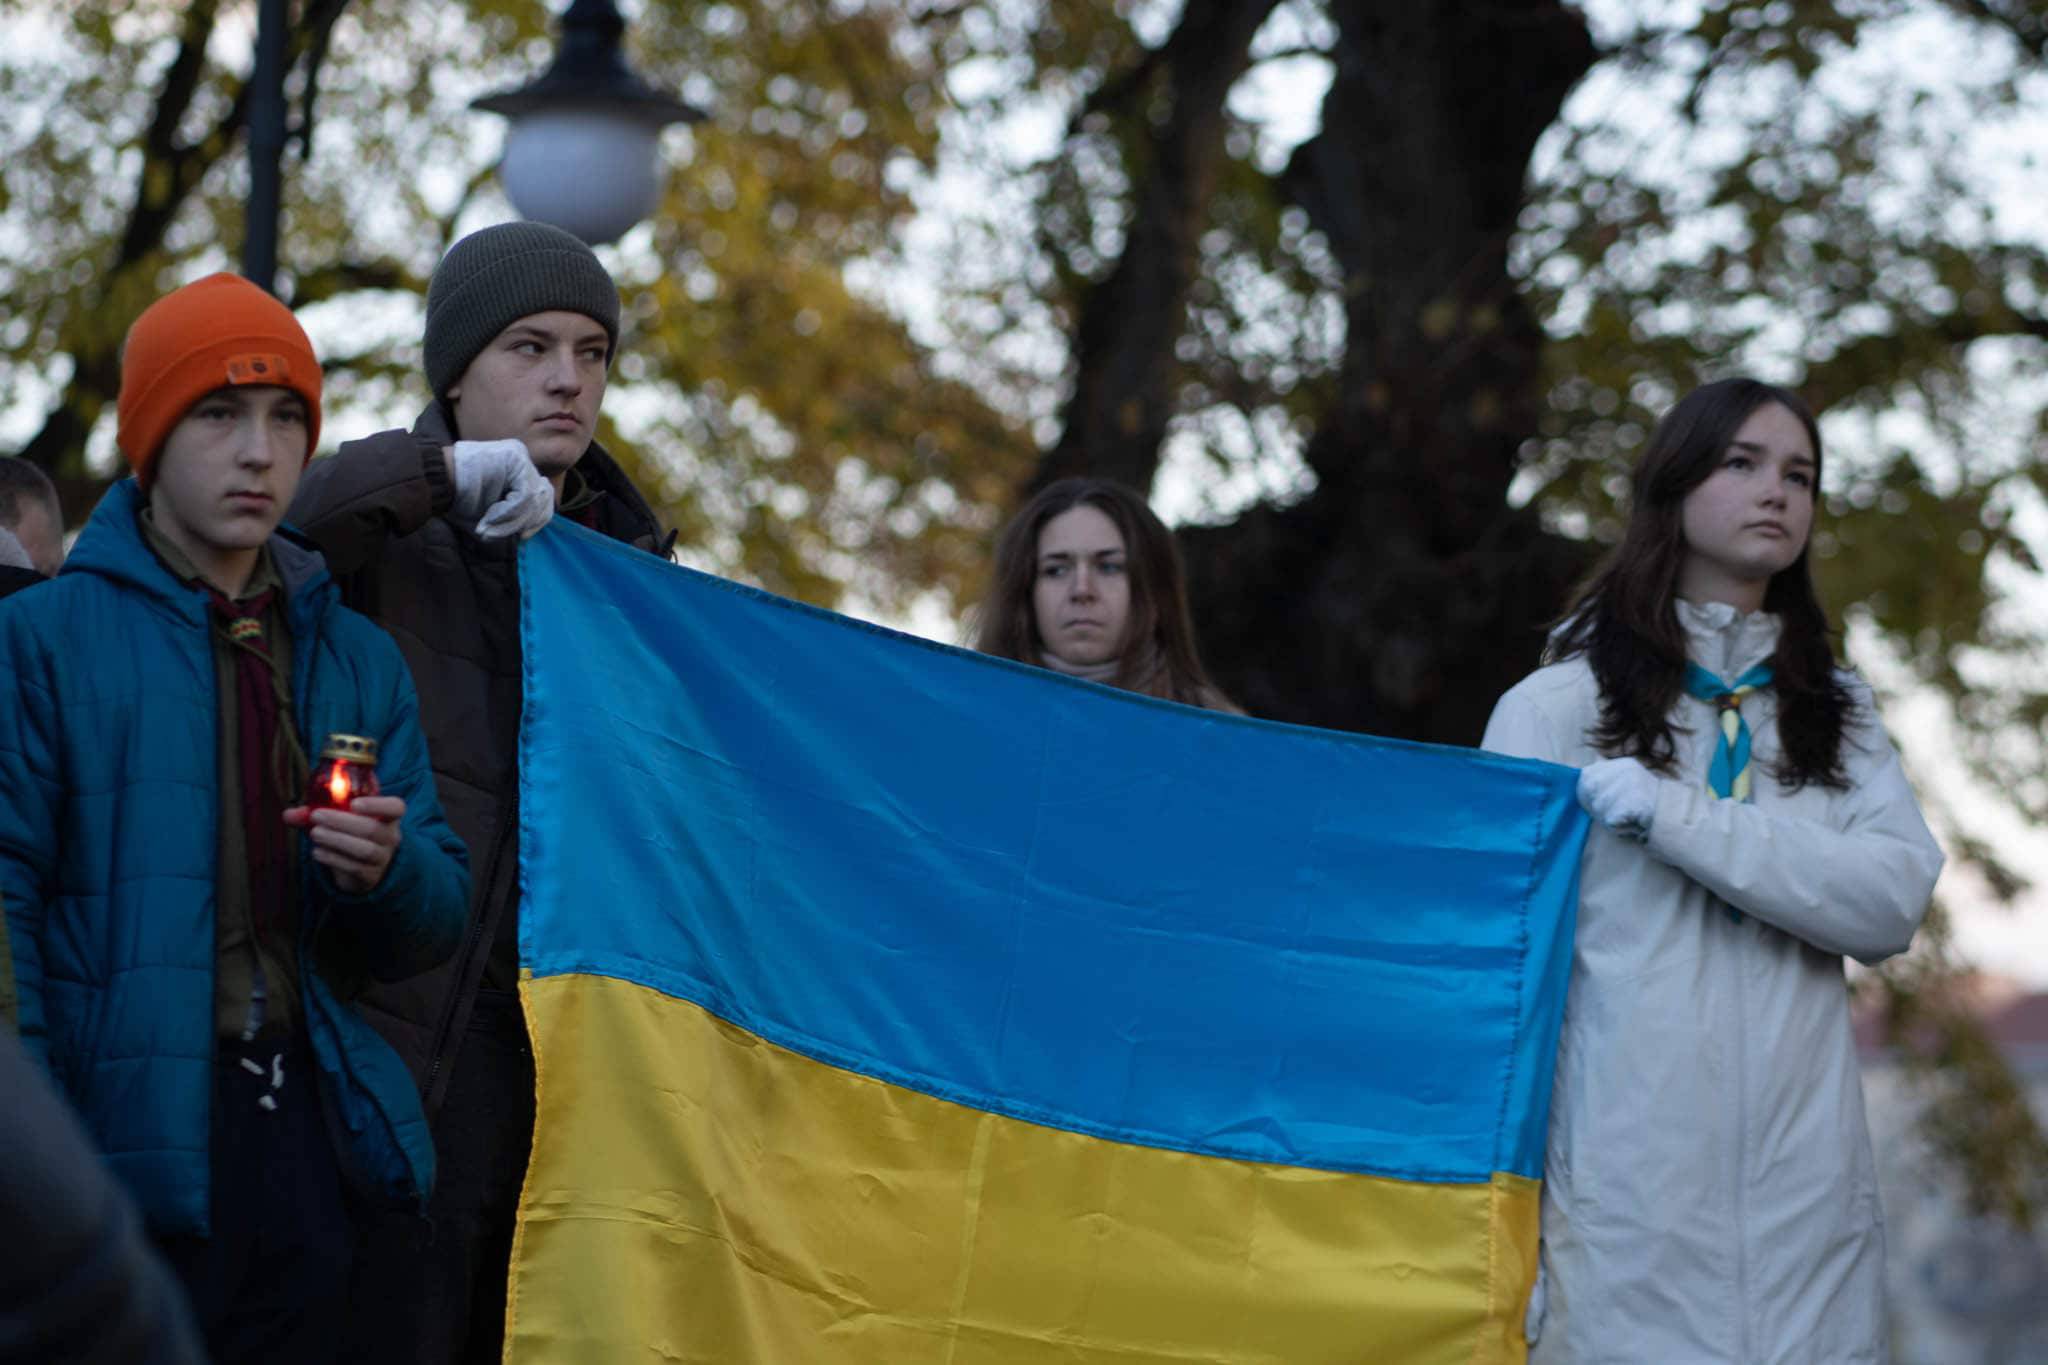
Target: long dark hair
{"x": 1625, "y": 621}
{"x": 1158, "y": 653}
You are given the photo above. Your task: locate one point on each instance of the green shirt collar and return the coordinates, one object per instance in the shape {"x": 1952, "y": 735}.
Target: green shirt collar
{"x": 263, "y": 576}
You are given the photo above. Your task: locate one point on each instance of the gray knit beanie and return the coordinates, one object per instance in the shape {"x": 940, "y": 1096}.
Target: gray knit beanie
{"x": 494, "y": 277}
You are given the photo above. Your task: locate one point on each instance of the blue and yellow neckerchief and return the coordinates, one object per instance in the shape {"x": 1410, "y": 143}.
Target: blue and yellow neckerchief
{"x": 1728, "y": 776}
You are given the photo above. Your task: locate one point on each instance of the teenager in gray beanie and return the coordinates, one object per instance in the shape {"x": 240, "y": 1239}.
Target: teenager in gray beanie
{"x": 422, "y": 530}
{"x": 491, "y": 279}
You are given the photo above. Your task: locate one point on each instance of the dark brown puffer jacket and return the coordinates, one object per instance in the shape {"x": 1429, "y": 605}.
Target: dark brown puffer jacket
{"x": 377, "y": 509}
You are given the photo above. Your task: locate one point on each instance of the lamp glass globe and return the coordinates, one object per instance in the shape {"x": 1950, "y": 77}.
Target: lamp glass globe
{"x": 590, "y": 172}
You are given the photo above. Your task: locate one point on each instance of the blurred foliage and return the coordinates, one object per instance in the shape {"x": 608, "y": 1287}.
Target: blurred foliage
{"x": 1977, "y": 1120}
{"x": 1775, "y": 186}
{"x": 790, "y": 426}
{"x": 1738, "y": 184}
{"x": 1782, "y": 187}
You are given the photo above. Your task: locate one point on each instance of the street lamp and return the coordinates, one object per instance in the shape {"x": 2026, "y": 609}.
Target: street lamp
{"x": 266, "y": 146}
{"x": 583, "y": 152}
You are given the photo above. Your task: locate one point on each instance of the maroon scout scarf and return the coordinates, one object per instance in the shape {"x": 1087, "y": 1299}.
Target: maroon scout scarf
{"x": 273, "y": 762}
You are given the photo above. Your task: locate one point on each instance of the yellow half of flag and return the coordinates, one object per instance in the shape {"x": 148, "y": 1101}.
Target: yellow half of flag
{"x": 905, "y": 1229}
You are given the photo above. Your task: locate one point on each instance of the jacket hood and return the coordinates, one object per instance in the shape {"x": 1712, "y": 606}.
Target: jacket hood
{"x": 1725, "y": 641}
{"x": 631, "y": 518}
{"x": 111, "y": 546}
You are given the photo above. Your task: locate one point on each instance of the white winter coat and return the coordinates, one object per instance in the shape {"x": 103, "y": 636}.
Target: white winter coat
{"x": 1709, "y": 1194}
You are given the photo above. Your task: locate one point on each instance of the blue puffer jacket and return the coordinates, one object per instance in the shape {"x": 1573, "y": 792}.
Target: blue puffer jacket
{"x": 108, "y": 813}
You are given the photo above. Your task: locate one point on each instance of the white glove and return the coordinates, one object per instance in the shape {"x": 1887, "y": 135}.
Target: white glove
{"x": 497, "y": 487}
{"x": 1621, "y": 794}
{"x": 11, "y": 553}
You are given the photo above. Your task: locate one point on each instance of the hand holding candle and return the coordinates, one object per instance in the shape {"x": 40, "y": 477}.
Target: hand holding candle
{"x": 354, "y": 831}
{"x": 355, "y": 845}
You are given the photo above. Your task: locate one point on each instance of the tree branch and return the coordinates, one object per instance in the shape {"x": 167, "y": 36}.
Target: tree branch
{"x": 320, "y": 23}
{"x": 1128, "y": 321}
{"x": 346, "y": 277}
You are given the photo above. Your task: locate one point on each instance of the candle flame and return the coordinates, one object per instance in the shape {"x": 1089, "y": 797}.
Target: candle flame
{"x": 337, "y": 785}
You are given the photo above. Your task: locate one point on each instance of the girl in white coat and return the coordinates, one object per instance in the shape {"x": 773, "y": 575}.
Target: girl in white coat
{"x": 1708, "y": 1189}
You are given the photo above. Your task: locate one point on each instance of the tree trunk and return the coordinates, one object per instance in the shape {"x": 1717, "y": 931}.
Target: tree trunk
{"x": 1403, "y": 595}
{"x": 1116, "y": 417}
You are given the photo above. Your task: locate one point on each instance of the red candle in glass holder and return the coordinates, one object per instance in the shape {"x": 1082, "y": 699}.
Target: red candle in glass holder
{"x": 347, "y": 769}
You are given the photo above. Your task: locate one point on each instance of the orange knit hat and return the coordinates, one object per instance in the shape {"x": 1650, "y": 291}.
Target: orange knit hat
{"x": 213, "y": 333}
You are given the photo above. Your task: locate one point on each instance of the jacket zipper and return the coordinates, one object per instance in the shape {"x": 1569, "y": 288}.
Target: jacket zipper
{"x": 471, "y": 970}
{"x": 463, "y": 984}
{"x": 1741, "y": 1037}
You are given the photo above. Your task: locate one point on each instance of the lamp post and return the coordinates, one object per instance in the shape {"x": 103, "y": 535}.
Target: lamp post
{"x": 266, "y": 146}
{"x": 583, "y": 152}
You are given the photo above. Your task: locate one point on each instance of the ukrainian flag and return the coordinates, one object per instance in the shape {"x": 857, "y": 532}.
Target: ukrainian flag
{"x": 892, "y": 1005}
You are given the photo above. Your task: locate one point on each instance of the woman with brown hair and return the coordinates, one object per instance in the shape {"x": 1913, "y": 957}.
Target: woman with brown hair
{"x": 1708, "y": 1191}
{"x": 1088, "y": 582}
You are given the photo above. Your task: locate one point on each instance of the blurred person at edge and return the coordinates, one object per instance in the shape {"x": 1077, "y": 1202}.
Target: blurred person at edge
{"x": 183, "y": 957}
{"x": 83, "y": 1286}
{"x": 423, "y": 529}
{"x": 31, "y": 526}
{"x": 1088, "y": 582}
{"x": 1709, "y": 1192}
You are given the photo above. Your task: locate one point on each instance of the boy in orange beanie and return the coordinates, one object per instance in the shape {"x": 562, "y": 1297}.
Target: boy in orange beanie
{"x": 182, "y": 954}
